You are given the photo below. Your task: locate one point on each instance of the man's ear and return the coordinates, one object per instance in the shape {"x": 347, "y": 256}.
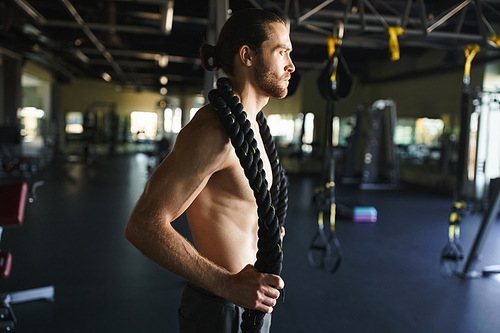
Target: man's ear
{"x": 246, "y": 55}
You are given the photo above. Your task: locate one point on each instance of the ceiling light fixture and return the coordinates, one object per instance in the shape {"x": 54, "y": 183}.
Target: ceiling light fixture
{"x": 163, "y": 80}
{"x": 106, "y": 77}
{"x": 162, "y": 60}
{"x": 168, "y": 17}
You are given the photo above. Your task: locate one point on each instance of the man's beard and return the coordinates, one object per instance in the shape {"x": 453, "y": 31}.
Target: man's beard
{"x": 268, "y": 81}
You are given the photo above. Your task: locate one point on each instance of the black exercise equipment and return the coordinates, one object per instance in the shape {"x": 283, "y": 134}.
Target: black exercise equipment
{"x": 383, "y": 122}
{"x": 452, "y": 254}
{"x": 371, "y": 157}
{"x": 325, "y": 251}
{"x": 13, "y": 197}
{"x": 335, "y": 83}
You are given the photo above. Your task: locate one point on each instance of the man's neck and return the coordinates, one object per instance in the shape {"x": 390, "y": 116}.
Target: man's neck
{"x": 249, "y": 96}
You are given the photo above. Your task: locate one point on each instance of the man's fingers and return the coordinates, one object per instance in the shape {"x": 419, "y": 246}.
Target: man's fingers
{"x": 266, "y": 305}
{"x": 274, "y": 281}
{"x": 272, "y": 293}
{"x": 262, "y": 287}
{"x": 264, "y": 308}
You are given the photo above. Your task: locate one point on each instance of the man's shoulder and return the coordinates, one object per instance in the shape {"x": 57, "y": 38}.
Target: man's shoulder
{"x": 204, "y": 132}
{"x": 205, "y": 125}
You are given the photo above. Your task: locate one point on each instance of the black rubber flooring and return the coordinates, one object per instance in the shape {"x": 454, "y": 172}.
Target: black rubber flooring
{"x": 389, "y": 281}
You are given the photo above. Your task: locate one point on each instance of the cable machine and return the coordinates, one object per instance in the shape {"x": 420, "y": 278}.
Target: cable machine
{"x": 381, "y": 140}
{"x": 373, "y": 132}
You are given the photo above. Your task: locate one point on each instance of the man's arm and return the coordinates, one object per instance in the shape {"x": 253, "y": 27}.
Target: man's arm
{"x": 198, "y": 153}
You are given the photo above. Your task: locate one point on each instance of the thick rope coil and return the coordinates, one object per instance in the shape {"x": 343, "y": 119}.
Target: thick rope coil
{"x": 271, "y": 205}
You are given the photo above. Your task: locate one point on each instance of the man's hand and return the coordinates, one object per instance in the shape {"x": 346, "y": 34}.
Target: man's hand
{"x": 251, "y": 289}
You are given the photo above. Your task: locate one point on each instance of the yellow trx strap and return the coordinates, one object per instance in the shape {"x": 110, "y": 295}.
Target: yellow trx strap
{"x": 332, "y": 42}
{"x": 332, "y": 208}
{"x": 470, "y": 53}
{"x": 332, "y": 217}
{"x": 394, "y": 32}
{"x": 331, "y": 45}
{"x": 320, "y": 219}
{"x": 455, "y": 218}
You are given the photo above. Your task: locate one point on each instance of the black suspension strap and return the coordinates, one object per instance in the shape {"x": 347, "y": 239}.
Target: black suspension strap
{"x": 335, "y": 83}
{"x": 325, "y": 251}
{"x": 271, "y": 204}
{"x": 452, "y": 254}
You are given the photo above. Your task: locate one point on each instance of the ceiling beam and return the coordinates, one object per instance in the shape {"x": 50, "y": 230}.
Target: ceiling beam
{"x": 134, "y": 29}
{"x": 92, "y": 37}
{"x": 146, "y": 55}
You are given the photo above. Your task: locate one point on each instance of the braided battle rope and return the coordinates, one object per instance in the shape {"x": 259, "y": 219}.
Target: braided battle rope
{"x": 271, "y": 204}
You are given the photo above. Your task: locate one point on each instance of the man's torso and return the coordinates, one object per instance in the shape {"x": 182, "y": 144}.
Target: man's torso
{"x": 223, "y": 218}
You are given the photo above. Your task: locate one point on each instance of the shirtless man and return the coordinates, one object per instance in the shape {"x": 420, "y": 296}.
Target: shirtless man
{"x": 202, "y": 177}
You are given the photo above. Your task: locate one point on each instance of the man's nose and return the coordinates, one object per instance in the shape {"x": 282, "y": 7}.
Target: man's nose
{"x": 290, "y": 67}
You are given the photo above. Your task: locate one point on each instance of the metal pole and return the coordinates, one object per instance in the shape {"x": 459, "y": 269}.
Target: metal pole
{"x": 314, "y": 11}
{"x": 445, "y": 18}
{"x": 217, "y": 16}
{"x": 480, "y": 18}
{"x": 488, "y": 220}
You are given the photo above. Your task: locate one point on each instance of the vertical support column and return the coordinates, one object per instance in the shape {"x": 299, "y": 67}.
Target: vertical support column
{"x": 489, "y": 219}
{"x": 217, "y": 16}
{"x": 11, "y": 90}
{"x": 423, "y": 16}
{"x": 480, "y": 17}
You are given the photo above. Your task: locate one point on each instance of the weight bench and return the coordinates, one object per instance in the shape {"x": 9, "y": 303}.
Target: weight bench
{"x": 13, "y": 197}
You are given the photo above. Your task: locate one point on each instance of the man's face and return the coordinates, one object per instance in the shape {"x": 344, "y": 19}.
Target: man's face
{"x": 273, "y": 67}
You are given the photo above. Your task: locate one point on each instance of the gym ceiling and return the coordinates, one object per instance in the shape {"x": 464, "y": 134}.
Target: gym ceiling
{"x": 131, "y": 39}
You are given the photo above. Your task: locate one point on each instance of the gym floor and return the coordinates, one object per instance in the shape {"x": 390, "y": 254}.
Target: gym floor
{"x": 389, "y": 281}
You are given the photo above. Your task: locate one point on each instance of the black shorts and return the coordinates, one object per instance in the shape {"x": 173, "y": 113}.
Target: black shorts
{"x": 203, "y": 312}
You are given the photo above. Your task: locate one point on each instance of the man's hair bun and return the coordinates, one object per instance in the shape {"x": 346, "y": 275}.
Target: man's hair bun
{"x": 208, "y": 55}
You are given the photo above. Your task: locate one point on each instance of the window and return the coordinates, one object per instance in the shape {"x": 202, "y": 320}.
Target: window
{"x": 307, "y": 138}
{"x": 335, "y": 131}
{"x": 419, "y": 140}
{"x": 282, "y": 127}
{"x": 428, "y": 131}
{"x": 29, "y": 121}
{"x": 192, "y": 112}
{"x": 74, "y": 122}
{"x": 143, "y": 125}
{"x": 173, "y": 120}
{"x": 403, "y": 132}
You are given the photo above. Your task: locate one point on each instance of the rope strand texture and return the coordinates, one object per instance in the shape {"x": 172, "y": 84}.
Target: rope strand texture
{"x": 271, "y": 204}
